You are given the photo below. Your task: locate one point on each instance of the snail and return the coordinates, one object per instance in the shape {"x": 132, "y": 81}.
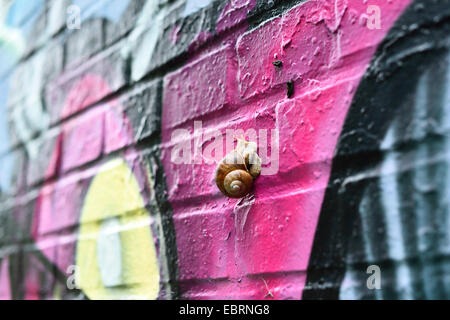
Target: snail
{"x": 236, "y": 172}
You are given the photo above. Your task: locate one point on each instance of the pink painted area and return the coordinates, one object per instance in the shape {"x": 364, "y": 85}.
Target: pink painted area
{"x": 5, "y": 287}
{"x": 118, "y": 129}
{"x": 58, "y": 206}
{"x": 85, "y": 92}
{"x": 80, "y": 141}
{"x": 325, "y": 51}
{"x": 313, "y": 40}
{"x": 103, "y": 129}
{"x": 215, "y": 70}
{"x": 302, "y": 47}
{"x": 83, "y": 140}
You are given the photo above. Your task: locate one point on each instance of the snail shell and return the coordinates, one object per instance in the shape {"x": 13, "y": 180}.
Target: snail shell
{"x": 236, "y": 172}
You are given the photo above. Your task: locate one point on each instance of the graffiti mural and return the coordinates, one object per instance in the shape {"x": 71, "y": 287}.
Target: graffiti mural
{"x": 16, "y": 22}
{"x": 347, "y": 101}
{"x": 395, "y": 209}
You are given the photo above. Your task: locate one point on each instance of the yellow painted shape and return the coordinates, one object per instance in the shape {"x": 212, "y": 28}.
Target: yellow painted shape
{"x": 115, "y": 193}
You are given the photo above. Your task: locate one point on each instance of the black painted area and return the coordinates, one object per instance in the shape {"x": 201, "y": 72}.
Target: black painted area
{"x": 265, "y": 10}
{"x": 160, "y": 204}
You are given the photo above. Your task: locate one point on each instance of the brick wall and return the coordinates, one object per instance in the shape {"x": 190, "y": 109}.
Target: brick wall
{"x": 351, "y": 121}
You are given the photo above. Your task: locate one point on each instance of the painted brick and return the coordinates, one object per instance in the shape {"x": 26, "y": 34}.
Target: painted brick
{"x": 118, "y": 131}
{"x": 163, "y": 43}
{"x": 84, "y": 42}
{"x": 83, "y": 140}
{"x": 183, "y": 34}
{"x": 268, "y": 286}
{"x": 142, "y": 107}
{"x": 86, "y": 84}
{"x": 233, "y": 14}
{"x": 16, "y": 161}
{"x": 32, "y": 72}
{"x": 334, "y": 39}
{"x": 44, "y": 66}
{"x": 117, "y": 29}
{"x": 38, "y": 279}
{"x": 200, "y": 88}
{"x": 280, "y": 39}
{"x": 20, "y": 218}
{"x": 53, "y": 213}
{"x": 53, "y": 61}
{"x": 46, "y": 164}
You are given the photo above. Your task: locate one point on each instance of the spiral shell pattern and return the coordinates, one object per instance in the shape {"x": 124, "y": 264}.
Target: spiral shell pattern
{"x": 236, "y": 172}
{"x": 238, "y": 183}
